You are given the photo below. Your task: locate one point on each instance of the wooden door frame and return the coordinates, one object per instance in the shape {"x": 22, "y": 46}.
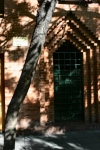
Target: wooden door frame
{"x": 2, "y": 91}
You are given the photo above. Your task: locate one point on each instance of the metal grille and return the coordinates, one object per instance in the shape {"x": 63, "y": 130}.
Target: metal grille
{"x": 68, "y": 97}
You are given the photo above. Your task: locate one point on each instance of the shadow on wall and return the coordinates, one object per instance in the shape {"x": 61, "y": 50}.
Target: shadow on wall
{"x": 20, "y": 21}
{"x": 28, "y": 113}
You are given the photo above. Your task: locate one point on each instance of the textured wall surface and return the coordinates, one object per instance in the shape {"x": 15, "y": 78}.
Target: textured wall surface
{"x": 19, "y": 20}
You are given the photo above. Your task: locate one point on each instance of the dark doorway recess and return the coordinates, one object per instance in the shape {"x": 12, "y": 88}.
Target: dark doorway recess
{"x": 68, "y": 87}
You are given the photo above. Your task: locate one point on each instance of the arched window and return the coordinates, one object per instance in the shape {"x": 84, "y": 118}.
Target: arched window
{"x": 68, "y": 83}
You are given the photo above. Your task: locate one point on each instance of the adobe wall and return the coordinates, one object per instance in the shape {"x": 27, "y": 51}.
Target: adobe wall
{"x": 38, "y": 105}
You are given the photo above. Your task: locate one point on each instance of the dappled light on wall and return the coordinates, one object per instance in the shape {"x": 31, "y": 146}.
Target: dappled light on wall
{"x": 24, "y": 123}
{"x": 33, "y": 95}
{"x": 20, "y": 17}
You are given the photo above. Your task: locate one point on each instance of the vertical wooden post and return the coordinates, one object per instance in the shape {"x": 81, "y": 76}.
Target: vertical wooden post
{"x": 2, "y": 101}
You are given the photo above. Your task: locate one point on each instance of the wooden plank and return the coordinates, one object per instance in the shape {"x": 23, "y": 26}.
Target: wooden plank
{"x": 0, "y": 127}
{"x": 2, "y": 101}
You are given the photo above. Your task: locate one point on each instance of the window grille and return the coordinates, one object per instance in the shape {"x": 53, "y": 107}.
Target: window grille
{"x": 68, "y": 88}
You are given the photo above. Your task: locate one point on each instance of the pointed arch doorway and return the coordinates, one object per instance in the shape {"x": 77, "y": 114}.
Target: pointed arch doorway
{"x": 68, "y": 83}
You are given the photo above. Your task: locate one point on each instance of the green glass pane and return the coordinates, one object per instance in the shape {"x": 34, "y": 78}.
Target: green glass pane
{"x": 68, "y": 90}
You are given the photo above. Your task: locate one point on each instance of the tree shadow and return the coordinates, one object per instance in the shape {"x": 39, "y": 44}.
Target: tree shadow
{"x": 1, "y": 147}
{"x": 15, "y": 25}
{"x": 45, "y": 65}
{"x": 20, "y": 21}
{"x": 50, "y": 142}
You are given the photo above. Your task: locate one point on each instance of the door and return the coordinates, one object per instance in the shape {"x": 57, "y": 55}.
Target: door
{"x": 2, "y": 112}
{"x": 68, "y": 88}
